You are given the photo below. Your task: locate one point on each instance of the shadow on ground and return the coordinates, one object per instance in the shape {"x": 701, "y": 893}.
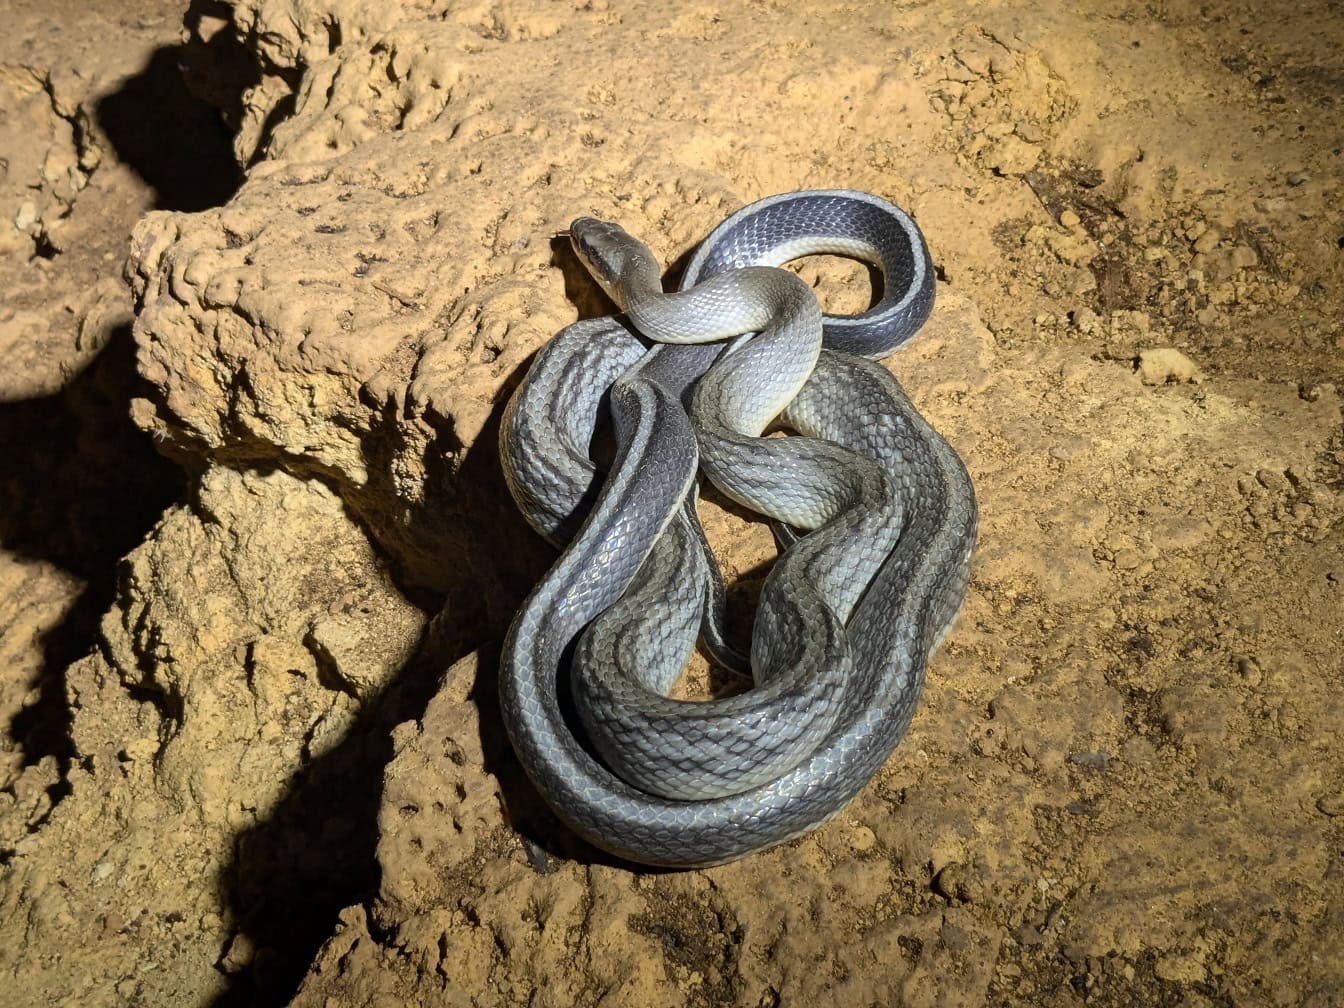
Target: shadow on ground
{"x": 170, "y": 121}
{"x": 81, "y": 488}
{"x": 292, "y": 875}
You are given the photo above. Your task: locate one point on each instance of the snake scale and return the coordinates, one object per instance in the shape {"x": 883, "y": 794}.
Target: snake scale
{"x": 876, "y": 510}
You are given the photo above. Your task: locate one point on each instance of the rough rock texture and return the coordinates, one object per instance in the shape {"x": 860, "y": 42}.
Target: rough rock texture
{"x": 283, "y": 780}
{"x": 79, "y": 485}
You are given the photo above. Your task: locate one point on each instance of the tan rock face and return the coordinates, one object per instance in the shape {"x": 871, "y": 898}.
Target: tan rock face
{"x": 288, "y": 779}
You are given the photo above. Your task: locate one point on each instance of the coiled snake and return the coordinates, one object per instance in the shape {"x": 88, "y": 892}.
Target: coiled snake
{"x": 876, "y": 509}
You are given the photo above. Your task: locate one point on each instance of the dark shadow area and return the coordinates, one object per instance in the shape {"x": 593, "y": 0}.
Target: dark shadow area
{"x": 80, "y": 488}
{"x": 80, "y": 485}
{"x": 170, "y": 122}
{"x": 291, "y": 876}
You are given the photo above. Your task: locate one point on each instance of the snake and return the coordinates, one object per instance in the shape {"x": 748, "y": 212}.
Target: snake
{"x": 875, "y": 510}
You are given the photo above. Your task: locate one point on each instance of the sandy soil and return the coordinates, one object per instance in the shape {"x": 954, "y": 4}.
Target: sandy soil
{"x": 269, "y": 281}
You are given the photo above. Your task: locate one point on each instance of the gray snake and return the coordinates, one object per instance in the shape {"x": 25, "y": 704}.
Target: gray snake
{"x": 877, "y": 510}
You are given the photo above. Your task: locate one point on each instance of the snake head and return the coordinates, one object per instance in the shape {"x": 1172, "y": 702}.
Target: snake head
{"x": 611, "y": 255}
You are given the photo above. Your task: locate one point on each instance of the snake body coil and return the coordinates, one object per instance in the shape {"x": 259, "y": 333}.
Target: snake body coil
{"x": 851, "y": 611}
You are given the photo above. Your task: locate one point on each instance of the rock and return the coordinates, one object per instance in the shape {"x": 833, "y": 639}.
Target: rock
{"x": 957, "y": 883}
{"x": 1166, "y": 365}
{"x": 1207, "y": 241}
{"x": 1091, "y": 760}
{"x": 1011, "y": 155}
{"x": 1028, "y": 936}
{"x": 1181, "y": 967}
{"x": 1331, "y": 804}
{"x": 1086, "y": 320}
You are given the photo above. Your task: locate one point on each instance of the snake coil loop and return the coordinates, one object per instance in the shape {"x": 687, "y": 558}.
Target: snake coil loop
{"x": 851, "y": 611}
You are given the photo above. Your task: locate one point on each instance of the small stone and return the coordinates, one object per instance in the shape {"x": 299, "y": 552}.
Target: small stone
{"x": 1244, "y": 257}
{"x": 1070, "y": 219}
{"x": 239, "y": 955}
{"x": 1331, "y": 804}
{"x": 861, "y": 838}
{"x": 1207, "y": 241}
{"x": 1028, "y": 936}
{"x": 1029, "y": 132}
{"x": 1164, "y": 365}
{"x": 1174, "y": 968}
{"x": 140, "y": 749}
{"x": 956, "y": 884}
{"x": 1012, "y": 155}
{"x": 1091, "y": 760}
{"x": 1081, "y": 281}
{"x": 1250, "y": 671}
{"x": 1128, "y": 559}
{"x": 1086, "y": 320}
{"x": 1297, "y": 178}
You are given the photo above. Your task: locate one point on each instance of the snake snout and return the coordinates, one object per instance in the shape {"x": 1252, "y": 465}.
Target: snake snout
{"x": 607, "y": 250}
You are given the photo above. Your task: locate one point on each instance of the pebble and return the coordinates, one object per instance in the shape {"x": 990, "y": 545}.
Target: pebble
{"x": 26, "y": 215}
{"x": 957, "y": 883}
{"x": 1331, "y": 804}
{"x": 1091, "y": 760}
{"x": 239, "y": 956}
{"x": 1166, "y": 364}
{"x": 1177, "y": 968}
{"x": 1207, "y": 241}
{"x": 1028, "y": 936}
{"x": 861, "y": 838}
{"x": 1086, "y": 320}
{"x": 1070, "y": 219}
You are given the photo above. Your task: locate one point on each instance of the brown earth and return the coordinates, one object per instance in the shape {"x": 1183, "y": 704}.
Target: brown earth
{"x": 268, "y": 283}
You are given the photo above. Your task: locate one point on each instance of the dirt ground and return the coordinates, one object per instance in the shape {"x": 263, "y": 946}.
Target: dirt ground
{"x": 271, "y": 270}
